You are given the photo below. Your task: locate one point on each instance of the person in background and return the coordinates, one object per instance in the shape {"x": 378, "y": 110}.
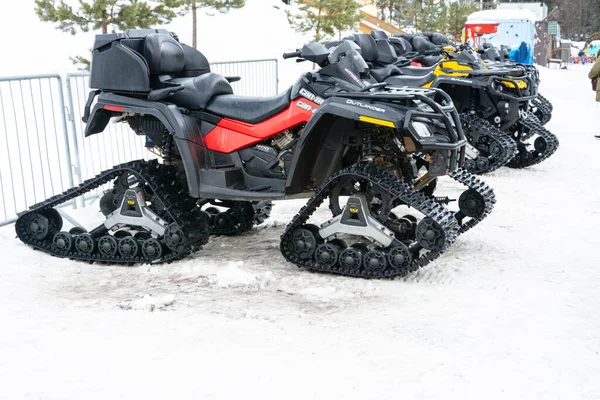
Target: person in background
{"x": 595, "y": 74}
{"x": 581, "y": 54}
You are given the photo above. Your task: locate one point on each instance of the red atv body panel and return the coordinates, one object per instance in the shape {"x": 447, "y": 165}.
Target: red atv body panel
{"x": 230, "y": 135}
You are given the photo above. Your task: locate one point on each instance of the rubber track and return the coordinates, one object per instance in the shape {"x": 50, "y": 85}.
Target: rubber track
{"x": 472, "y": 122}
{"x": 534, "y": 126}
{"x": 179, "y": 206}
{"x": 544, "y": 113}
{"x": 473, "y": 182}
{"x": 406, "y": 194}
{"x": 238, "y": 226}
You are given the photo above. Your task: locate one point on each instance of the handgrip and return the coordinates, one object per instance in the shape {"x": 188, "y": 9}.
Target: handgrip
{"x": 292, "y": 54}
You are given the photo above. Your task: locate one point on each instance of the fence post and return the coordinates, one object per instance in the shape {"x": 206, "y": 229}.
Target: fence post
{"x": 77, "y": 166}
{"x": 61, "y": 99}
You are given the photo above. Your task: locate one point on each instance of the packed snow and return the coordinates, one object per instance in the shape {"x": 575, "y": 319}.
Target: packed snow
{"x": 509, "y": 312}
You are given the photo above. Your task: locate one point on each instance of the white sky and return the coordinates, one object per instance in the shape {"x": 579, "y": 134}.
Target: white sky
{"x": 258, "y": 30}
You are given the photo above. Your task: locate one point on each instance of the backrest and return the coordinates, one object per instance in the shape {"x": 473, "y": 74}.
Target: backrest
{"x": 439, "y": 39}
{"x": 401, "y": 45}
{"x": 421, "y": 44}
{"x": 164, "y": 54}
{"x": 368, "y": 47}
{"x": 386, "y": 52}
{"x": 196, "y": 63}
{"x": 378, "y": 34}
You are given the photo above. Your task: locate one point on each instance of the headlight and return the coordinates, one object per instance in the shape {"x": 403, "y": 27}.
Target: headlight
{"x": 422, "y": 129}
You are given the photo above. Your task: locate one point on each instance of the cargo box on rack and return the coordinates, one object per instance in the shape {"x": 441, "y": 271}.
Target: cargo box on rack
{"x": 122, "y": 62}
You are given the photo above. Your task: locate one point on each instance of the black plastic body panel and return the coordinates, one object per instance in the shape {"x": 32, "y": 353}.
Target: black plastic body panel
{"x": 184, "y": 129}
{"x": 108, "y": 66}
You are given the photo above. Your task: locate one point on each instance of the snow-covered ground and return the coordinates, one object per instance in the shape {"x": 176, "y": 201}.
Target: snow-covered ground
{"x": 510, "y": 312}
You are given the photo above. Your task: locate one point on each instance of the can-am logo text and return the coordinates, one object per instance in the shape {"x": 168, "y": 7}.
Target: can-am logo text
{"x": 363, "y": 105}
{"x": 306, "y": 107}
{"x": 312, "y": 97}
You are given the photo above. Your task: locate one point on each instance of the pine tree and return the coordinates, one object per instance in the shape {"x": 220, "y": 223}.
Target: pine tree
{"x": 187, "y": 6}
{"x": 458, "y": 13}
{"x": 344, "y": 15}
{"x": 431, "y": 16}
{"x": 102, "y": 15}
{"x": 312, "y": 17}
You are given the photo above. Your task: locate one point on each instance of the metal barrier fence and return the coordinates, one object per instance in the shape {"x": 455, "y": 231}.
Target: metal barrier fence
{"x": 35, "y": 161}
{"x": 44, "y": 152}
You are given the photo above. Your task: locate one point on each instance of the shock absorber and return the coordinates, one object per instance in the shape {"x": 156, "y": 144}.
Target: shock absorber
{"x": 368, "y": 153}
{"x": 168, "y": 149}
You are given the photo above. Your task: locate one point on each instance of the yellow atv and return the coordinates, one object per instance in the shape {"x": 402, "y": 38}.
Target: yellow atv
{"x": 493, "y": 102}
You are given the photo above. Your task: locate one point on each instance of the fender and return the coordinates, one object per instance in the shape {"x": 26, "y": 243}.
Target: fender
{"x": 332, "y": 126}
{"x": 184, "y": 129}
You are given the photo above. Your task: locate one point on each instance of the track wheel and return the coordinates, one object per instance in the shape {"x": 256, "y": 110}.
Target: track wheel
{"x": 430, "y": 234}
{"x": 152, "y": 249}
{"x": 327, "y": 254}
{"x": 223, "y": 221}
{"x": 84, "y": 243}
{"x": 107, "y": 246}
{"x": 540, "y": 144}
{"x": 351, "y": 257}
{"x": 173, "y": 237}
{"x": 303, "y": 243}
{"x": 375, "y": 261}
{"x": 400, "y": 257}
{"x": 37, "y": 226}
{"x": 63, "y": 241}
{"x": 471, "y": 203}
{"x": 482, "y": 163}
{"x": 54, "y": 219}
{"x": 128, "y": 247}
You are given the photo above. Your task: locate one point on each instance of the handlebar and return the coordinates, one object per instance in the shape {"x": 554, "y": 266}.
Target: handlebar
{"x": 296, "y": 53}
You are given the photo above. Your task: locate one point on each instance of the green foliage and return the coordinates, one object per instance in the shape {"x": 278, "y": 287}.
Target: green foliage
{"x": 324, "y": 17}
{"x": 183, "y": 7}
{"x": 343, "y": 14}
{"x": 102, "y": 14}
{"x": 82, "y": 63}
{"x": 457, "y": 16}
{"x": 222, "y": 6}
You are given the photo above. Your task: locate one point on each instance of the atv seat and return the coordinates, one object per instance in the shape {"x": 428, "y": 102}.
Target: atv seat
{"x": 429, "y": 61}
{"x": 416, "y": 71}
{"x": 380, "y": 74}
{"x": 199, "y": 90}
{"x": 248, "y": 109}
{"x": 411, "y": 81}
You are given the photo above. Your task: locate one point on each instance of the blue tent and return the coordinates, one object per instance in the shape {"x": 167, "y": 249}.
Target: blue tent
{"x": 516, "y": 29}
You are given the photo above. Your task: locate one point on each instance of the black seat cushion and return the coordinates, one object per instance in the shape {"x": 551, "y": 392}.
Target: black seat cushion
{"x": 381, "y": 74}
{"x": 249, "y": 109}
{"x": 428, "y": 61}
{"x": 416, "y": 71}
{"x": 410, "y": 81}
{"x": 163, "y": 53}
{"x": 198, "y": 91}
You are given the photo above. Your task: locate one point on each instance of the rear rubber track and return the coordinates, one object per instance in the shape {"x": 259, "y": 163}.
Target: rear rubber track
{"x": 180, "y": 212}
{"x": 496, "y": 147}
{"x": 542, "y": 148}
{"x": 436, "y": 215}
